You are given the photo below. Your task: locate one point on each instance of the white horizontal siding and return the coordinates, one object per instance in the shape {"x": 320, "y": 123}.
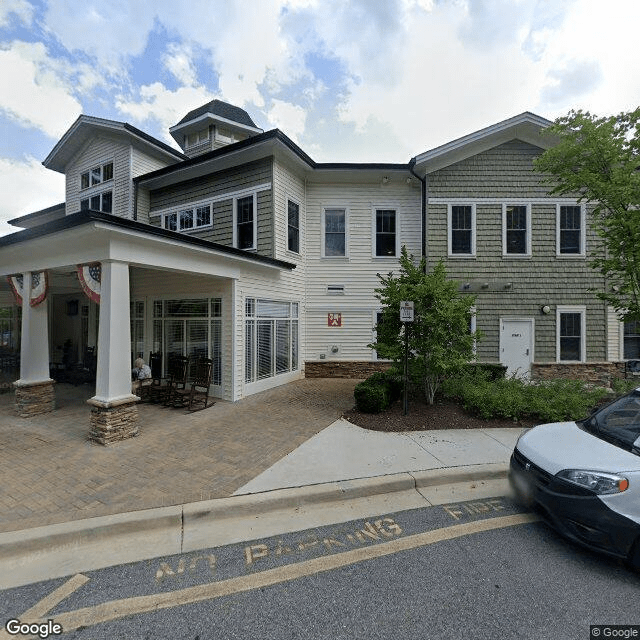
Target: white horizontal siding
{"x": 98, "y": 152}
{"x": 357, "y": 272}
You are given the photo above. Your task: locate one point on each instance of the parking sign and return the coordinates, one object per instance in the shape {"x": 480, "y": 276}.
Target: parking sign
{"x": 406, "y": 311}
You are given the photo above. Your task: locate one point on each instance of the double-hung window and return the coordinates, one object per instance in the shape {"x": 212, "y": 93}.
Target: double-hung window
{"x": 570, "y": 334}
{"x": 516, "y": 230}
{"x": 97, "y": 175}
{"x": 98, "y": 202}
{"x": 632, "y": 340}
{"x": 293, "y": 226}
{"x": 570, "y": 230}
{"x": 334, "y": 232}
{"x": 462, "y": 222}
{"x": 385, "y": 233}
{"x": 245, "y": 222}
{"x": 188, "y": 219}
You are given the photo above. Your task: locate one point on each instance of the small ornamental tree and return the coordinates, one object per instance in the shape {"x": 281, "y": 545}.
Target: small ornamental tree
{"x": 598, "y": 159}
{"x": 440, "y": 339}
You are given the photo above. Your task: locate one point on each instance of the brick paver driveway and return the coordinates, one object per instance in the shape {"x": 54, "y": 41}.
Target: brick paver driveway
{"x": 50, "y": 472}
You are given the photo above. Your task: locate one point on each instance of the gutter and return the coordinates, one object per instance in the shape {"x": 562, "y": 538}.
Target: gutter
{"x": 423, "y": 204}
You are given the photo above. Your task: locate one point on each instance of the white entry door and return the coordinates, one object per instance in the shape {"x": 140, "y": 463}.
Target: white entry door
{"x": 516, "y": 346}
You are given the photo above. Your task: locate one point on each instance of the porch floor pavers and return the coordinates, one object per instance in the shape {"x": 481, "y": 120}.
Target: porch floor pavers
{"x": 177, "y": 457}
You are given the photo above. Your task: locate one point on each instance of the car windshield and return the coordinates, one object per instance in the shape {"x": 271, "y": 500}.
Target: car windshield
{"x": 618, "y": 422}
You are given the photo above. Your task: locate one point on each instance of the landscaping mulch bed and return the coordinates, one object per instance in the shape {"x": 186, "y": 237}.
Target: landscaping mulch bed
{"x": 422, "y": 417}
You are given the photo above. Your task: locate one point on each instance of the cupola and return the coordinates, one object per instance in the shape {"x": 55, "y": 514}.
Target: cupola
{"x": 212, "y": 126}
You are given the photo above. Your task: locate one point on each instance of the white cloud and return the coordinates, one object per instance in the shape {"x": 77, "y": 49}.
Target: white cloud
{"x": 32, "y": 187}
{"x": 34, "y": 89}
{"x": 178, "y": 61}
{"x": 20, "y": 8}
{"x": 288, "y": 117}
{"x": 108, "y": 31}
{"x": 163, "y": 105}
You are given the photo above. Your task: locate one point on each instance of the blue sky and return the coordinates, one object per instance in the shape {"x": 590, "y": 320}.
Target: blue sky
{"x": 349, "y": 81}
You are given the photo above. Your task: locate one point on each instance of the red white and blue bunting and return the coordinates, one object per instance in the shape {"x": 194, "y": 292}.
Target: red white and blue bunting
{"x": 39, "y": 287}
{"x": 90, "y": 276}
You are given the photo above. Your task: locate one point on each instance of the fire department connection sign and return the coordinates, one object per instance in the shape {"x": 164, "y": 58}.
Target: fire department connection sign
{"x": 406, "y": 311}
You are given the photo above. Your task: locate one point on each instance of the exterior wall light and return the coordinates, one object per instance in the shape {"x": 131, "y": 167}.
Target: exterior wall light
{"x": 545, "y": 309}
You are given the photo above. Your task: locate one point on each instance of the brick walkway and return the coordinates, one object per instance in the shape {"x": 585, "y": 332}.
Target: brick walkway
{"x": 52, "y": 473}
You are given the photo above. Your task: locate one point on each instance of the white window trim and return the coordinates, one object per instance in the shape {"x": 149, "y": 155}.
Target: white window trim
{"x": 516, "y": 256}
{"x": 191, "y": 208}
{"x": 98, "y": 185}
{"x": 582, "y": 310}
{"x": 254, "y": 195}
{"x": 383, "y": 207}
{"x": 450, "y": 253}
{"x": 97, "y": 194}
{"x": 583, "y": 234}
{"x": 288, "y": 199}
{"x": 346, "y": 232}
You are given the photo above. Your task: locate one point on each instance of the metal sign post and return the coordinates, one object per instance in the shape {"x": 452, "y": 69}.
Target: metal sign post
{"x": 406, "y": 317}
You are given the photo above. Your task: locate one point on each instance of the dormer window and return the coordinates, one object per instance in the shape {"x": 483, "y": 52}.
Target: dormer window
{"x": 197, "y": 137}
{"x": 97, "y": 175}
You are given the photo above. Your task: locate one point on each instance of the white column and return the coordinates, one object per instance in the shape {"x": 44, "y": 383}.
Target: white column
{"x": 34, "y": 347}
{"x": 113, "y": 376}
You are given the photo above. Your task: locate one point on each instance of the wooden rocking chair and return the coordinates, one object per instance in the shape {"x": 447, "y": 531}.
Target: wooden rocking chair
{"x": 177, "y": 368}
{"x": 198, "y": 392}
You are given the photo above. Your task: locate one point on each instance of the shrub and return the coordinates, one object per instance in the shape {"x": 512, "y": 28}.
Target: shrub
{"x": 371, "y": 397}
{"x": 511, "y": 398}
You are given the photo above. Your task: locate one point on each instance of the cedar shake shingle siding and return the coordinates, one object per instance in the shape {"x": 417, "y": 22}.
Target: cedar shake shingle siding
{"x": 215, "y": 186}
{"x": 488, "y": 179}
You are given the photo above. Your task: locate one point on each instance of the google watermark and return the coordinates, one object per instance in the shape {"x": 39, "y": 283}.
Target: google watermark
{"x": 15, "y": 627}
{"x": 598, "y": 631}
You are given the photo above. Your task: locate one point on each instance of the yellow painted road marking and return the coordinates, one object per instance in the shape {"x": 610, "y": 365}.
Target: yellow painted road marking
{"x": 116, "y": 609}
{"x": 40, "y": 609}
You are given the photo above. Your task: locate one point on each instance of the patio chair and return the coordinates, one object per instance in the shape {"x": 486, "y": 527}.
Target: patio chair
{"x": 177, "y": 367}
{"x": 155, "y": 364}
{"x": 198, "y": 392}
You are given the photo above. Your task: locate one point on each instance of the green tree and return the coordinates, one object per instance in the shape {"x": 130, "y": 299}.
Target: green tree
{"x": 440, "y": 340}
{"x": 598, "y": 160}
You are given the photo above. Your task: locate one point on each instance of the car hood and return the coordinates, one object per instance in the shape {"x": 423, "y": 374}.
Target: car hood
{"x": 563, "y": 445}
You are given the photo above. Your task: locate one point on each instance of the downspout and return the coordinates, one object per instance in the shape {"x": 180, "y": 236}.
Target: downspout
{"x": 423, "y": 203}
{"x": 135, "y": 199}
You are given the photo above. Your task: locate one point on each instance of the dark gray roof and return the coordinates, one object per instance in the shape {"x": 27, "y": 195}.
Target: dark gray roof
{"x": 56, "y": 208}
{"x": 87, "y": 217}
{"x": 222, "y": 109}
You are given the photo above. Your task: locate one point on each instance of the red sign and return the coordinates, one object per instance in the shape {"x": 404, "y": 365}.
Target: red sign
{"x": 334, "y": 319}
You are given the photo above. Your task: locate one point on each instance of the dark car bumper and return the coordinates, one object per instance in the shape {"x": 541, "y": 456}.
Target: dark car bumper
{"x": 575, "y": 512}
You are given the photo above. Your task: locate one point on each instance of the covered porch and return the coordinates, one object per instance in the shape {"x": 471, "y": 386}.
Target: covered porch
{"x": 153, "y": 290}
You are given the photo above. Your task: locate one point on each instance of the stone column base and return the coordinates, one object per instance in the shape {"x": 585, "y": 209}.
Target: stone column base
{"x": 34, "y": 398}
{"x": 113, "y": 421}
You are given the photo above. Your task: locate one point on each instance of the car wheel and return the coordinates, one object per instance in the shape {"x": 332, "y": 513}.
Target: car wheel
{"x": 634, "y": 555}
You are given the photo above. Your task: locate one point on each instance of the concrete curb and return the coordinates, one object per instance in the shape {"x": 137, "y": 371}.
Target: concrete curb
{"x": 62, "y": 549}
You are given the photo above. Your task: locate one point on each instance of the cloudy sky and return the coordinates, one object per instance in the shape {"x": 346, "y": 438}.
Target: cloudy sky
{"x": 348, "y": 80}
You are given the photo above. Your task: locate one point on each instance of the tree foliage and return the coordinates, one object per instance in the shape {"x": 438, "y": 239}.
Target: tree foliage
{"x": 440, "y": 340}
{"x": 598, "y": 160}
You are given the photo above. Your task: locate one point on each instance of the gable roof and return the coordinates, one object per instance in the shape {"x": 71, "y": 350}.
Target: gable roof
{"x": 85, "y": 127}
{"x": 526, "y": 126}
{"x": 222, "y": 109}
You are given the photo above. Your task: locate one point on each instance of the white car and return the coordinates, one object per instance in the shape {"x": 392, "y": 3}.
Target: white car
{"x": 584, "y": 477}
